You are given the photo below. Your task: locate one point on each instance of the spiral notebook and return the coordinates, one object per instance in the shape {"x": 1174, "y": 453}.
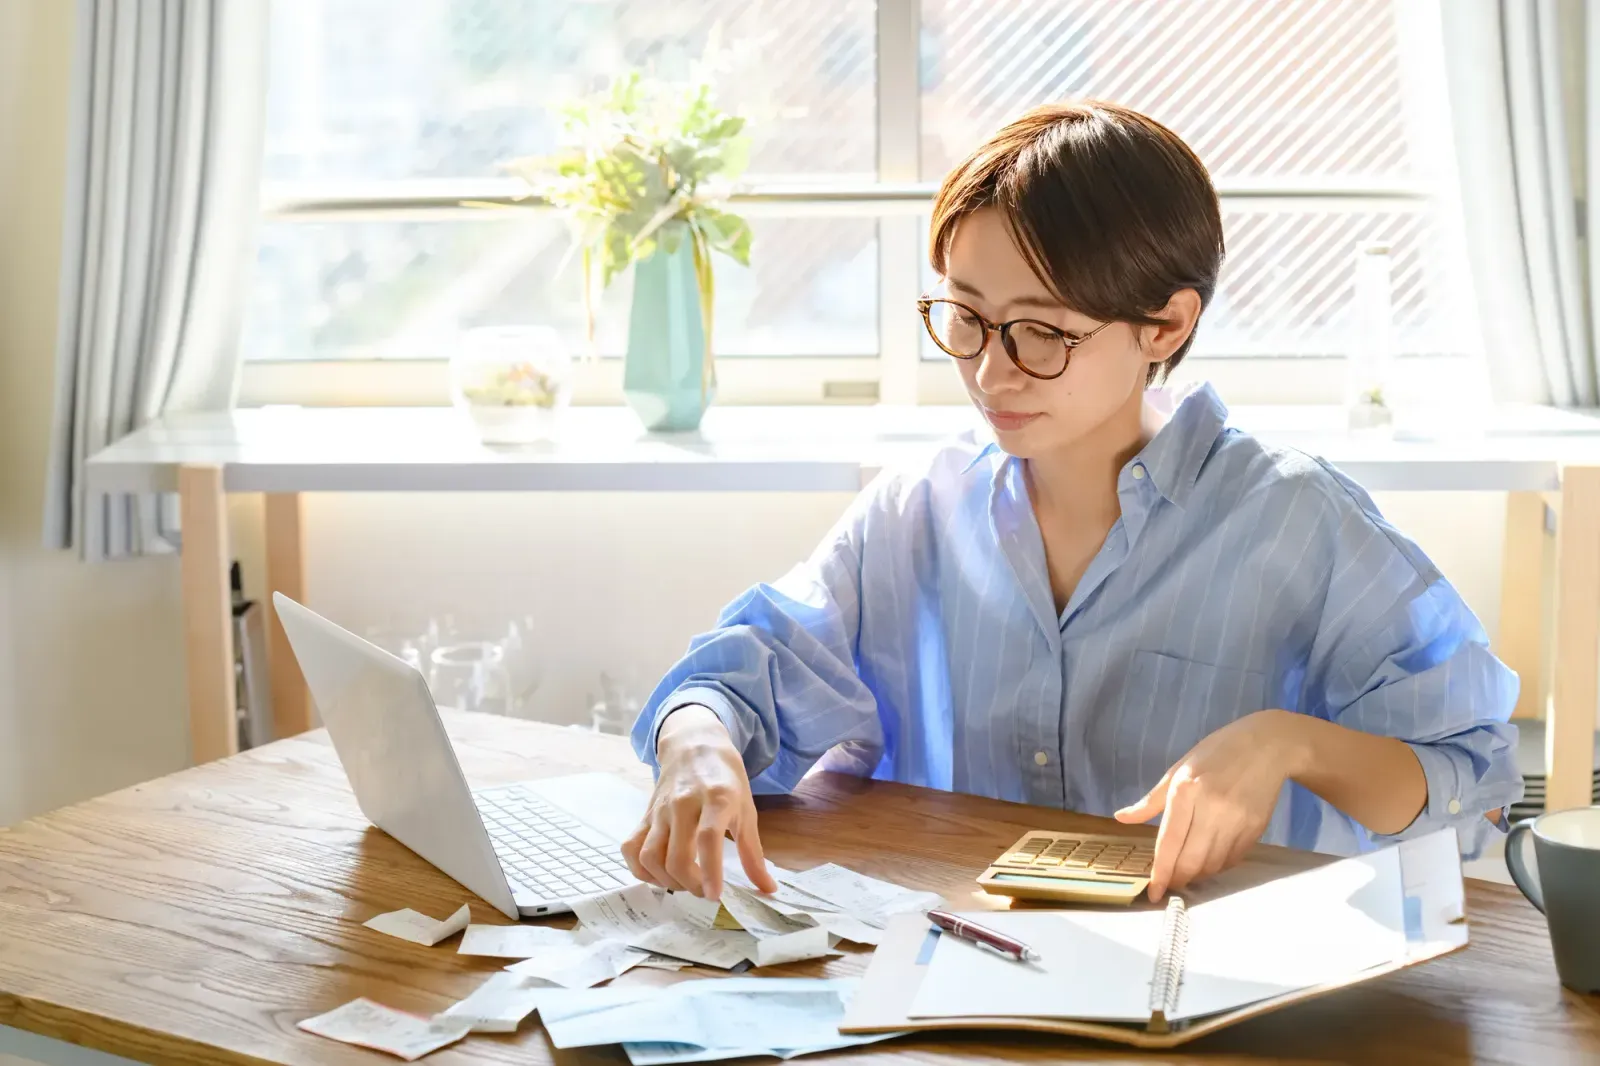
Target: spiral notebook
{"x": 1159, "y": 977}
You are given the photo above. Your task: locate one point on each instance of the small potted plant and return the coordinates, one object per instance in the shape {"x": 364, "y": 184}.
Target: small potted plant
{"x": 635, "y": 175}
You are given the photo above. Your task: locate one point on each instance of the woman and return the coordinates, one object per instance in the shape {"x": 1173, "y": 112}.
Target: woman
{"x": 1119, "y": 605}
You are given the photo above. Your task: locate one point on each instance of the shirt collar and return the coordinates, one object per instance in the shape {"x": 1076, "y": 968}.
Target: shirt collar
{"x": 1192, "y": 417}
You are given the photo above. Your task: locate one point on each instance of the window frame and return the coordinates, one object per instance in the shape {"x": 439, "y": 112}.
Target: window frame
{"x": 897, "y": 201}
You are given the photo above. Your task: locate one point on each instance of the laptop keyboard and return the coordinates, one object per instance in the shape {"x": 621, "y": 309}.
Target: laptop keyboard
{"x": 547, "y": 851}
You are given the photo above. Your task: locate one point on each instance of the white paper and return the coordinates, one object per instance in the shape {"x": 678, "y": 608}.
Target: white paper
{"x": 372, "y": 1025}
{"x": 681, "y": 926}
{"x": 755, "y": 1012}
{"x": 681, "y": 939}
{"x": 419, "y": 928}
{"x": 1291, "y": 933}
{"x": 1094, "y": 965}
{"x": 846, "y": 927}
{"x": 812, "y": 943}
{"x": 580, "y": 965}
{"x": 866, "y": 898}
{"x": 514, "y": 941}
{"x": 790, "y": 908}
{"x": 757, "y": 917}
{"x": 498, "y": 1005}
{"x": 1296, "y": 932}
{"x": 660, "y": 1054}
{"x": 1430, "y": 868}
{"x": 692, "y": 909}
{"x": 661, "y": 962}
{"x": 624, "y": 911}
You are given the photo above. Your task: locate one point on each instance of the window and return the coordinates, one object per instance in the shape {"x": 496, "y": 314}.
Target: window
{"x": 1316, "y": 117}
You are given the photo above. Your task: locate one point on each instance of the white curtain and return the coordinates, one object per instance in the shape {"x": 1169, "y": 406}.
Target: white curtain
{"x": 163, "y": 171}
{"x": 1519, "y": 72}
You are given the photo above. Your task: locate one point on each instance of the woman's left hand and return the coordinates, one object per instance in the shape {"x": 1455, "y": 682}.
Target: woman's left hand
{"x": 1216, "y": 801}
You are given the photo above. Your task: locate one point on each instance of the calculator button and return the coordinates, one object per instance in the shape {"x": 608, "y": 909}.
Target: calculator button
{"x": 1018, "y": 858}
{"x": 1047, "y": 860}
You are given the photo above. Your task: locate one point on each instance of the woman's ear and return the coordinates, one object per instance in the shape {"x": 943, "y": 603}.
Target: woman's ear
{"x": 1178, "y": 318}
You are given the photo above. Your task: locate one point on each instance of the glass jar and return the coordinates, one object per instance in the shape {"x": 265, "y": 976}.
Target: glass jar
{"x": 1367, "y": 380}
{"x": 512, "y": 381}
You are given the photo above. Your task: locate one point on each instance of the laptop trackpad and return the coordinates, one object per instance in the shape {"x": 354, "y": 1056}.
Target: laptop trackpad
{"x": 604, "y": 801}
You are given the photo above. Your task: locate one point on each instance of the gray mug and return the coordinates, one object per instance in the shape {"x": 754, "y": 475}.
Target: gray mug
{"x": 1565, "y": 887}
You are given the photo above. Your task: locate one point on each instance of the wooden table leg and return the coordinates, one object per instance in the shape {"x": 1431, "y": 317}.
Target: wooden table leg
{"x": 1521, "y": 641}
{"x": 286, "y": 573}
{"x": 207, "y": 615}
{"x": 1569, "y": 733}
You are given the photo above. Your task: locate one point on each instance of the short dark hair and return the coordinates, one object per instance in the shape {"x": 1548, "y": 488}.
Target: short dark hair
{"x": 1111, "y": 209}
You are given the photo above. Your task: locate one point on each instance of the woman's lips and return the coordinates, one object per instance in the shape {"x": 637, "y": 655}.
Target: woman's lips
{"x": 1008, "y": 420}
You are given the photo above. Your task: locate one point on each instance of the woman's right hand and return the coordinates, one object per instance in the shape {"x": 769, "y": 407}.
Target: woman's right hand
{"x": 701, "y": 794}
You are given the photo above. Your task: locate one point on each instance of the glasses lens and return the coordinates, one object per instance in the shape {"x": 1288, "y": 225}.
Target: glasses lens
{"x": 1038, "y": 347}
{"x": 957, "y": 329}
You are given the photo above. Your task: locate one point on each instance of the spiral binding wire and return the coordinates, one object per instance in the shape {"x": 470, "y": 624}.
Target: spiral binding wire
{"x": 1168, "y": 976}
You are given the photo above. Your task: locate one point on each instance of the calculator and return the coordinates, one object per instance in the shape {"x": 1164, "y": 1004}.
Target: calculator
{"x": 1072, "y": 868}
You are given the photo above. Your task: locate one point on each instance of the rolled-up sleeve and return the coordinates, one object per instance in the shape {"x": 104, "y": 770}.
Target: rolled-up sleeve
{"x": 780, "y": 670}
{"x": 1399, "y": 654}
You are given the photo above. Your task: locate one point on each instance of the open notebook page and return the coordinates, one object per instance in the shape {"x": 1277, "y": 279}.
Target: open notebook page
{"x": 1296, "y": 932}
{"x": 1289, "y": 934}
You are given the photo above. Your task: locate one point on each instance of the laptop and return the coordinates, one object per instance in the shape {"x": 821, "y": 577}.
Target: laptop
{"x": 528, "y": 849}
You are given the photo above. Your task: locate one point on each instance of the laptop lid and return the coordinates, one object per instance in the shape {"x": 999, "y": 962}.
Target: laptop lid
{"x": 388, "y": 735}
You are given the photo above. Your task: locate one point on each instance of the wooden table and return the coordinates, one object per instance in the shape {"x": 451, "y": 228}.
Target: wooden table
{"x": 197, "y": 918}
{"x": 1548, "y": 460}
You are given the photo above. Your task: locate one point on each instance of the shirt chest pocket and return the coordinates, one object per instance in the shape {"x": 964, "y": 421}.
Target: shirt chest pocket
{"x": 1168, "y": 705}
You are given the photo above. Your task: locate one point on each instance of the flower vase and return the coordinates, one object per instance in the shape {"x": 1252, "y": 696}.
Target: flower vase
{"x": 667, "y": 375}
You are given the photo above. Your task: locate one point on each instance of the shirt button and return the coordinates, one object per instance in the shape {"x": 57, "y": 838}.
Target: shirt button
{"x": 1454, "y": 806}
{"x": 1040, "y": 757}
{"x": 1138, "y": 472}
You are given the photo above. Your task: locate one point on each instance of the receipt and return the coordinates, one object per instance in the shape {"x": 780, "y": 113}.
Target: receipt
{"x": 623, "y": 912}
{"x": 686, "y": 927}
{"x": 866, "y": 898}
{"x": 685, "y": 940}
{"x": 661, "y": 962}
{"x": 758, "y": 1012}
{"x": 780, "y": 938}
{"x": 812, "y": 943}
{"x": 419, "y": 928}
{"x": 514, "y": 941}
{"x": 372, "y": 1025}
{"x": 581, "y": 965}
{"x": 498, "y": 1005}
{"x": 757, "y": 917}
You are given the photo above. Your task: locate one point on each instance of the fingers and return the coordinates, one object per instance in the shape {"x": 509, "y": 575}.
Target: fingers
{"x": 1198, "y": 845}
{"x": 708, "y": 845}
{"x": 653, "y": 853}
{"x": 1170, "y": 838}
{"x": 751, "y": 855}
{"x": 631, "y": 848}
{"x": 1151, "y": 805}
{"x": 682, "y": 842}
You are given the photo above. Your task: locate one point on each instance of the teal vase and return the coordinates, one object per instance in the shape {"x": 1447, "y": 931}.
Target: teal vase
{"x": 667, "y": 375}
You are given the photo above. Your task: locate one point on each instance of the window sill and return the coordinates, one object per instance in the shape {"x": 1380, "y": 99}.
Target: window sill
{"x": 810, "y": 381}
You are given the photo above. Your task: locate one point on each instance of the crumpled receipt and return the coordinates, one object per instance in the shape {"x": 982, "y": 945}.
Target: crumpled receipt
{"x": 418, "y": 927}
{"x": 371, "y": 1025}
{"x": 581, "y": 965}
{"x": 811, "y": 911}
{"x": 498, "y": 1005}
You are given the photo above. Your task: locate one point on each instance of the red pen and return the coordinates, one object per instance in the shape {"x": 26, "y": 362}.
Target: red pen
{"x": 988, "y": 939}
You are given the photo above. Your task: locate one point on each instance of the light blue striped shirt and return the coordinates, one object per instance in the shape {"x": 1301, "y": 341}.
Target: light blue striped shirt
{"x": 921, "y": 642}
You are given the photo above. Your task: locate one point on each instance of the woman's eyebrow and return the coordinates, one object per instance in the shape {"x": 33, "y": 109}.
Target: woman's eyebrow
{"x": 1043, "y": 302}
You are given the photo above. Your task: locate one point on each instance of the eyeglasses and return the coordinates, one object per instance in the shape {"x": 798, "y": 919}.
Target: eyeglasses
{"x": 1039, "y": 349}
